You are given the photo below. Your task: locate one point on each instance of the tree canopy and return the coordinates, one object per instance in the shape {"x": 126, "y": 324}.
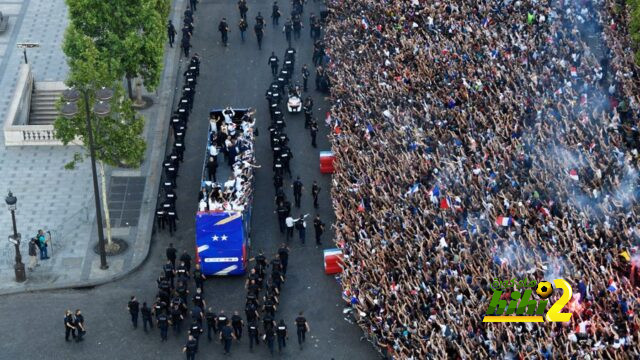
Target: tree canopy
{"x": 130, "y": 33}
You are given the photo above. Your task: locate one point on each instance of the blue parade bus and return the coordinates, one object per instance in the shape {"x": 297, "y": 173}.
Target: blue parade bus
{"x": 223, "y": 235}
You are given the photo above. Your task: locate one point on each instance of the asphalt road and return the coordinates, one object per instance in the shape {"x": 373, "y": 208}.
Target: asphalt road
{"x": 32, "y": 324}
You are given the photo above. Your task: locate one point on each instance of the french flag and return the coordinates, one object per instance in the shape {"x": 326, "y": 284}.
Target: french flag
{"x": 365, "y": 24}
{"x": 336, "y": 127}
{"x": 504, "y": 221}
{"x": 361, "y": 206}
{"x": 445, "y": 203}
{"x": 457, "y": 203}
{"x": 434, "y": 194}
{"x": 574, "y": 71}
{"x": 413, "y": 189}
{"x": 573, "y": 174}
{"x": 328, "y": 119}
{"x": 368, "y": 131}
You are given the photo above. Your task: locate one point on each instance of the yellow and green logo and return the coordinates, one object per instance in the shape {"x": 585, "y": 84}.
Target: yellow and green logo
{"x": 524, "y": 308}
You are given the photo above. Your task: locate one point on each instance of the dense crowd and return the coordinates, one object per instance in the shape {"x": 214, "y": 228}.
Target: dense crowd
{"x": 479, "y": 141}
{"x": 231, "y": 133}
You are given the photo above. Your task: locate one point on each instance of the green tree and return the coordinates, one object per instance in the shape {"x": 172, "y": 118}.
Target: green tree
{"x": 130, "y": 32}
{"x": 117, "y": 137}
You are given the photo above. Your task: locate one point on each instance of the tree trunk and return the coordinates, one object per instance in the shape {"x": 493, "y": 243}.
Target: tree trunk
{"x": 105, "y": 204}
{"x": 129, "y": 88}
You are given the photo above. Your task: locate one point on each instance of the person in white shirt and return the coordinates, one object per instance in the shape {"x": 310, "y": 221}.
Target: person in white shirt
{"x": 228, "y": 114}
{"x": 289, "y": 223}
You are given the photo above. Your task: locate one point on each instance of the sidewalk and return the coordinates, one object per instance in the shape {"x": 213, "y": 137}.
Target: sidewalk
{"x": 61, "y": 201}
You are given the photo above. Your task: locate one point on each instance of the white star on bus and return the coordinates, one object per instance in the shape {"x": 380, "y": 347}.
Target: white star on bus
{"x": 224, "y": 237}
{"x": 215, "y": 237}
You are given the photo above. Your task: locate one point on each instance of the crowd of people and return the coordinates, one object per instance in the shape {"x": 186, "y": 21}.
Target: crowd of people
{"x": 479, "y": 141}
{"x": 231, "y": 133}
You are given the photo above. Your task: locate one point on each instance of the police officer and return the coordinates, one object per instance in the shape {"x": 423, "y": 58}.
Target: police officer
{"x": 186, "y": 45}
{"x": 254, "y": 334}
{"x": 302, "y": 326}
{"x": 134, "y": 307}
{"x": 171, "y": 32}
{"x": 160, "y": 217}
{"x": 179, "y": 148}
{"x": 313, "y": 131}
{"x": 176, "y": 318}
{"x": 186, "y": 258}
{"x": 198, "y": 300}
{"x": 210, "y": 317}
{"x": 163, "y": 325}
{"x": 287, "y": 30}
{"x": 194, "y": 331}
{"x": 251, "y": 311}
{"x": 297, "y": 26}
{"x": 273, "y": 62}
{"x": 316, "y": 30}
{"x": 199, "y": 278}
{"x": 191, "y": 348}
{"x": 171, "y": 254}
{"x": 281, "y": 331}
{"x": 243, "y": 8}
{"x": 269, "y": 306}
{"x": 258, "y": 28}
{"x": 297, "y": 190}
{"x": 283, "y": 255}
{"x": 169, "y": 272}
{"x": 146, "y": 316}
{"x": 243, "y": 27}
{"x": 223, "y": 27}
{"x": 305, "y": 77}
{"x": 312, "y": 21}
{"x": 286, "y": 155}
{"x": 226, "y": 335}
{"x": 159, "y": 307}
{"x": 260, "y": 19}
{"x": 181, "y": 272}
{"x": 221, "y": 320}
{"x": 275, "y": 13}
{"x": 269, "y": 331}
{"x": 171, "y": 221}
{"x": 318, "y": 226}
{"x": 237, "y": 324}
{"x": 282, "y": 215}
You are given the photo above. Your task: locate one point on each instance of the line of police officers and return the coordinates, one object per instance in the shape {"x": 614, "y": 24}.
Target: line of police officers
{"x": 166, "y": 214}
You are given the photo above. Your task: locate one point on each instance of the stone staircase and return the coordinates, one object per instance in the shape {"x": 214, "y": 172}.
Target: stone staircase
{"x": 43, "y": 106}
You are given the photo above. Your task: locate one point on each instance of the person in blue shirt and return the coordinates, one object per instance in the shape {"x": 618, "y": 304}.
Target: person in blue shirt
{"x": 43, "y": 245}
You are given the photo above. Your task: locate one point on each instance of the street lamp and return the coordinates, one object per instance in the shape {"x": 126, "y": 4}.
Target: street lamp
{"x": 100, "y": 109}
{"x": 15, "y": 238}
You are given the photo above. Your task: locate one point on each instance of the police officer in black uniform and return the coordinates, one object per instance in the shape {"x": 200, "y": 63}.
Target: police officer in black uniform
{"x": 160, "y": 217}
{"x": 191, "y": 348}
{"x": 283, "y": 255}
{"x": 186, "y": 45}
{"x": 237, "y": 324}
{"x": 318, "y": 225}
{"x": 171, "y": 32}
{"x": 302, "y": 326}
{"x": 146, "y": 316}
{"x": 210, "y": 317}
{"x": 243, "y": 8}
{"x": 281, "y": 332}
{"x": 169, "y": 272}
{"x": 258, "y": 28}
{"x": 287, "y": 30}
{"x": 195, "y": 330}
{"x": 163, "y": 325}
{"x": 254, "y": 334}
{"x": 297, "y": 26}
{"x": 273, "y": 62}
{"x": 281, "y": 210}
{"x": 221, "y": 320}
{"x": 275, "y": 13}
{"x": 305, "y": 77}
{"x": 297, "y": 190}
{"x": 313, "y": 131}
{"x": 223, "y": 27}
